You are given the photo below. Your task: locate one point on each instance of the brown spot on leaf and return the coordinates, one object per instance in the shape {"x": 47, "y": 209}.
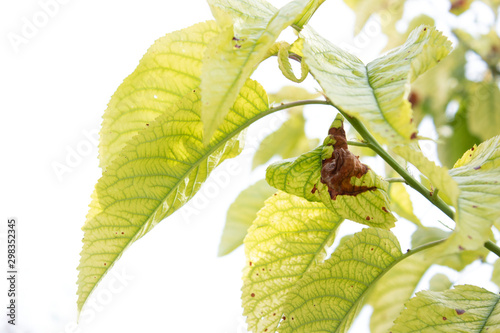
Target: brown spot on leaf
{"x": 274, "y": 314}
{"x": 385, "y": 209}
{"x": 469, "y": 236}
{"x": 252, "y": 294}
{"x": 314, "y": 189}
{"x": 474, "y": 206}
{"x": 284, "y": 318}
{"x": 368, "y": 218}
{"x": 413, "y": 135}
{"x": 461, "y": 248}
{"x": 444, "y": 318}
{"x": 477, "y": 168}
{"x": 123, "y": 233}
{"x": 425, "y": 29}
{"x": 237, "y": 46}
{"x": 460, "y": 311}
{"x": 104, "y": 264}
{"x": 337, "y": 171}
{"x": 250, "y": 263}
{"x": 472, "y": 149}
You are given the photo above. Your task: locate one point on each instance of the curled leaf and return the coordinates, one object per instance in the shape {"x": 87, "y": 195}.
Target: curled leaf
{"x": 333, "y": 175}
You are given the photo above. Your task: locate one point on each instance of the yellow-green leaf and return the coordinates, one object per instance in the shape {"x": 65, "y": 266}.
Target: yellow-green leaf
{"x": 376, "y": 93}
{"x": 459, "y": 6}
{"x": 241, "y": 214}
{"x": 288, "y": 141}
{"x": 478, "y": 175}
{"x": 290, "y": 94}
{"x": 438, "y": 176}
{"x": 170, "y": 69}
{"x": 389, "y": 11}
{"x": 401, "y": 203}
{"x": 289, "y": 237}
{"x": 396, "y": 287}
{"x": 495, "y": 276}
{"x": 285, "y": 66}
{"x": 355, "y": 192}
{"x": 440, "y": 282}
{"x": 462, "y": 309}
{"x": 233, "y": 55}
{"x": 484, "y": 109}
{"x": 329, "y": 296}
{"x": 157, "y": 172}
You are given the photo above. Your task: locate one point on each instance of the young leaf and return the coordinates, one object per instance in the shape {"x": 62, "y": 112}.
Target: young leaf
{"x": 495, "y": 276}
{"x": 291, "y": 93}
{"x": 462, "y": 309}
{"x": 401, "y": 203}
{"x": 289, "y": 237}
{"x": 333, "y": 175}
{"x": 377, "y": 93}
{"x": 440, "y": 282}
{"x": 158, "y": 171}
{"x": 484, "y": 109}
{"x": 288, "y": 141}
{"x": 329, "y": 296}
{"x": 241, "y": 214}
{"x": 390, "y": 12}
{"x": 459, "y": 6}
{"x": 233, "y": 55}
{"x": 285, "y": 66}
{"x": 438, "y": 176}
{"x": 170, "y": 69}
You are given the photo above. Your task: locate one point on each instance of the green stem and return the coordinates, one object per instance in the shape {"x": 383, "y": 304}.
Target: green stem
{"x": 395, "y": 180}
{"x": 376, "y": 147}
{"x": 372, "y": 143}
{"x": 492, "y": 247}
{"x": 358, "y": 144}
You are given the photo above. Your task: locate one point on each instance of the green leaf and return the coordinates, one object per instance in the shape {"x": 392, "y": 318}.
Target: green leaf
{"x": 170, "y": 69}
{"x": 158, "y": 171}
{"x": 291, "y": 94}
{"x": 495, "y": 276}
{"x": 459, "y": 6}
{"x": 389, "y": 11}
{"x": 457, "y": 260}
{"x": 285, "y": 66}
{"x": 289, "y": 237}
{"x": 376, "y": 94}
{"x": 333, "y": 175}
{"x": 486, "y": 46}
{"x": 401, "y": 203}
{"x": 396, "y": 38}
{"x": 462, "y": 309}
{"x": 288, "y": 141}
{"x": 440, "y": 282}
{"x": 484, "y": 109}
{"x": 477, "y": 174}
{"x": 241, "y": 214}
{"x": 396, "y": 287}
{"x": 438, "y": 176}
{"x": 433, "y": 90}
{"x": 233, "y": 55}
{"x": 451, "y": 146}
{"x": 329, "y": 296}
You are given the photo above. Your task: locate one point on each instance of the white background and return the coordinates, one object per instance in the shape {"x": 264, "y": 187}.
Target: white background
{"x": 54, "y": 88}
